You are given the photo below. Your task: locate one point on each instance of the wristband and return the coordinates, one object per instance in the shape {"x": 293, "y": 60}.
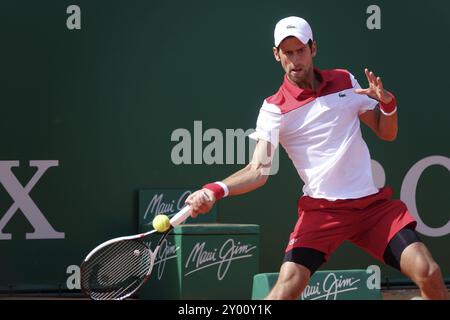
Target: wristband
{"x": 389, "y": 108}
{"x": 219, "y": 189}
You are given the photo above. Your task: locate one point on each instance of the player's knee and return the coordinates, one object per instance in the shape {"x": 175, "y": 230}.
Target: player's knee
{"x": 290, "y": 283}
{"x": 426, "y": 272}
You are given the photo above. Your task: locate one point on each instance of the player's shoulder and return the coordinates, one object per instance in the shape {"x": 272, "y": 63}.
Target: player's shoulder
{"x": 274, "y": 102}
{"x": 338, "y": 75}
{"x": 280, "y": 102}
{"x": 338, "y": 80}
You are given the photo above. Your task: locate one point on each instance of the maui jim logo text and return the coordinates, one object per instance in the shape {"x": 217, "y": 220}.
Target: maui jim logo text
{"x": 158, "y": 205}
{"x": 330, "y": 288}
{"x": 333, "y": 285}
{"x": 167, "y": 251}
{"x": 199, "y": 258}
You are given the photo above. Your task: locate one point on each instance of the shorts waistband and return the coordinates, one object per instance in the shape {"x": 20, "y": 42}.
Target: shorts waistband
{"x": 308, "y": 203}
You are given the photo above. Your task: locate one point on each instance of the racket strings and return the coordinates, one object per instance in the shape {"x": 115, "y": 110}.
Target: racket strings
{"x": 116, "y": 270}
{"x": 120, "y": 259}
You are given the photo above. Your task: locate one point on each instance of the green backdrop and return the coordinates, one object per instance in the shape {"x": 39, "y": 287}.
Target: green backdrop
{"x": 104, "y": 100}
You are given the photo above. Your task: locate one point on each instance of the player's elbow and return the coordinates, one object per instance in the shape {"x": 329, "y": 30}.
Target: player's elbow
{"x": 263, "y": 179}
{"x": 260, "y": 173}
{"x": 261, "y": 176}
{"x": 389, "y": 136}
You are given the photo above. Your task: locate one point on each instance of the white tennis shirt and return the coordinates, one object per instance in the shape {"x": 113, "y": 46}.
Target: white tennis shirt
{"x": 320, "y": 132}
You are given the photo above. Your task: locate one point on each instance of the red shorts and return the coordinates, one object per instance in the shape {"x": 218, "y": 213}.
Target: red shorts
{"x": 369, "y": 222}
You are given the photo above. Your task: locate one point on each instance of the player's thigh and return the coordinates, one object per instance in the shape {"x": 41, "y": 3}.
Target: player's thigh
{"x": 308, "y": 258}
{"x": 299, "y": 264}
{"x": 396, "y": 252}
{"x": 380, "y": 225}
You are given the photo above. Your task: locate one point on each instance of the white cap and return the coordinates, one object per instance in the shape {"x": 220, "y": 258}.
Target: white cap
{"x": 292, "y": 26}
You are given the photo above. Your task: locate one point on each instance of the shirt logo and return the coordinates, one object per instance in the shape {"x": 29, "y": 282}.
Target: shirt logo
{"x": 341, "y": 95}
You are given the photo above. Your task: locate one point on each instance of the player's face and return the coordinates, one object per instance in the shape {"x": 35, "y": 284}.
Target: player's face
{"x": 296, "y": 59}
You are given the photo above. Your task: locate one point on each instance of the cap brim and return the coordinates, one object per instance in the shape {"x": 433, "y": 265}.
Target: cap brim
{"x": 304, "y": 39}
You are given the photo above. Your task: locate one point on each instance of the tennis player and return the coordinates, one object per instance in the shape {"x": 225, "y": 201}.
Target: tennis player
{"x": 315, "y": 115}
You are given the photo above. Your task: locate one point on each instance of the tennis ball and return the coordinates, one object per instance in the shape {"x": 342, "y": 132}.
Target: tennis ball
{"x": 161, "y": 223}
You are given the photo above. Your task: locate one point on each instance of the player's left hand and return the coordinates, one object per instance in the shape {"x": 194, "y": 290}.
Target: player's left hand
{"x": 375, "y": 90}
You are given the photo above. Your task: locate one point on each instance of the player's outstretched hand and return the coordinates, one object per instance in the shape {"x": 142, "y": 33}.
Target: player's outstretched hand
{"x": 375, "y": 90}
{"x": 201, "y": 201}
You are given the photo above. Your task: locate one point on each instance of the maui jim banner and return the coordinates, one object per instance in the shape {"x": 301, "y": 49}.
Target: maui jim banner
{"x": 204, "y": 261}
{"x": 355, "y": 284}
{"x": 344, "y": 285}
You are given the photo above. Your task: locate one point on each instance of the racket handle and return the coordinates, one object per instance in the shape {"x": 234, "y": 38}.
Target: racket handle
{"x": 181, "y": 216}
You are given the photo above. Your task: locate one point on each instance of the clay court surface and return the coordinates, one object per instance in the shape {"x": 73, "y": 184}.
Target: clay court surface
{"x": 388, "y": 294}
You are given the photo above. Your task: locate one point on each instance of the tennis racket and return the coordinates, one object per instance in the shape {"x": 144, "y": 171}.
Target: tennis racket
{"x": 117, "y": 268}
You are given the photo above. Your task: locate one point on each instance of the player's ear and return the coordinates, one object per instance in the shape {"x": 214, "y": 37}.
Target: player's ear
{"x": 313, "y": 49}
{"x": 276, "y": 54}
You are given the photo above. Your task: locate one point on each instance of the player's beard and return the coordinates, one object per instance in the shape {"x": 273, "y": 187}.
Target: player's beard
{"x": 299, "y": 75}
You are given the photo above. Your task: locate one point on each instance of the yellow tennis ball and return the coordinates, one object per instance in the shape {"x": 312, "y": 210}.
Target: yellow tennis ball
{"x": 161, "y": 223}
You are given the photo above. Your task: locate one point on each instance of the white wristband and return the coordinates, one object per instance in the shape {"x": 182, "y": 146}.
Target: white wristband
{"x": 224, "y": 187}
{"x": 390, "y": 113}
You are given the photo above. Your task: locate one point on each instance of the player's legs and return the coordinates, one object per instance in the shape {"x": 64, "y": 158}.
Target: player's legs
{"x": 299, "y": 264}
{"x": 321, "y": 228}
{"x": 417, "y": 263}
{"x": 404, "y": 249}
{"x": 292, "y": 280}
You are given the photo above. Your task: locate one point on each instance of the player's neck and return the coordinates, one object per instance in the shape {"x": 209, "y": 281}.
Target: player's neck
{"x": 311, "y": 81}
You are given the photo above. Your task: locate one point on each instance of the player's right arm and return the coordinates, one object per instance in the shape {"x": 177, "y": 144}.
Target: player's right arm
{"x": 251, "y": 177}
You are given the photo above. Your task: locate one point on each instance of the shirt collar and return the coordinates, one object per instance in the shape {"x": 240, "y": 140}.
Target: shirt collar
{"x": 302, "y": 94}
